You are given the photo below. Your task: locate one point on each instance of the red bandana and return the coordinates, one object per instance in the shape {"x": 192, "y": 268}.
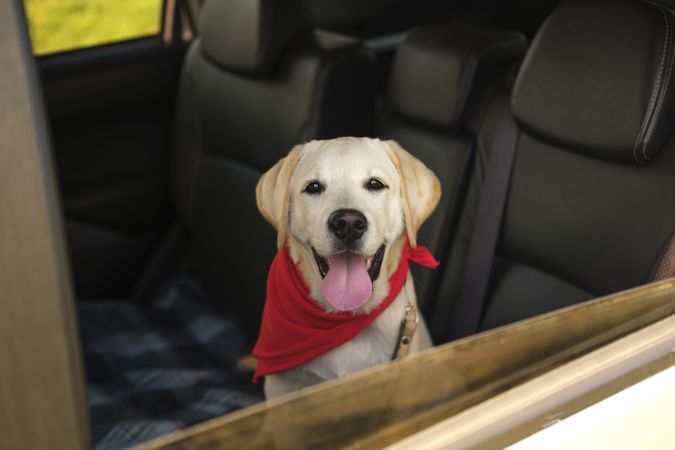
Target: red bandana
{"x": 295, "y": 329}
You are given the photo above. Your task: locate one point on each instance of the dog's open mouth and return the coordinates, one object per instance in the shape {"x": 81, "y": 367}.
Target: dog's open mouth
{"x": 373, "y": 264}
{"x": 348, "y": 277}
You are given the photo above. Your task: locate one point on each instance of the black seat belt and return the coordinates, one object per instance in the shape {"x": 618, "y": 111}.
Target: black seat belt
{"x": 472, "y": 295}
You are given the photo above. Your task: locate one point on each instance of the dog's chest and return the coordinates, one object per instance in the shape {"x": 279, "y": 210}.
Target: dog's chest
{"x": 374, "y": 345}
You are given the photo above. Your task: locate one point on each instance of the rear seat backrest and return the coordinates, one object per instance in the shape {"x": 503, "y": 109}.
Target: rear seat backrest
{"x": 257, "y": 82}
{"x": 432, "y": 81}
{"x": 590, "y": 206}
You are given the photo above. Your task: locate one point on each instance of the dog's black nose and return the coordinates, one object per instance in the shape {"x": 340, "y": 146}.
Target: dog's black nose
{"x": 347, "y": 224}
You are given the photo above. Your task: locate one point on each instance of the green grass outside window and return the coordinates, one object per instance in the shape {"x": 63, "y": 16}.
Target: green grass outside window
{"x": 62, "y": 25}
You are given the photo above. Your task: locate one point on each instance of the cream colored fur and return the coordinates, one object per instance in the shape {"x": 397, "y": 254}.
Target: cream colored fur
{"x": 343, "y": 166}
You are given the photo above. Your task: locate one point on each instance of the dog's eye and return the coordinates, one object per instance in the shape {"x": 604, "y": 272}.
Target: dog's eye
{"x": 314, "y": 188}
{"x": 375, "y": 185}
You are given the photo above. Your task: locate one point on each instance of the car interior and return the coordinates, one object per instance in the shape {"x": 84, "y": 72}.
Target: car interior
{"x": 158, "y": 146}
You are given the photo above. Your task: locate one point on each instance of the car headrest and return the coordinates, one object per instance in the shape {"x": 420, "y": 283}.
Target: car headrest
{"x": 597, "y": 80}
{"x": 435, "y": 68}
{"x": 248, "y": 36}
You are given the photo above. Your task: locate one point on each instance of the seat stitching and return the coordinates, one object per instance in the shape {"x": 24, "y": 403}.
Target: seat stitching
{"x": 663, "y": 92}
{"x": 655, "y": 89}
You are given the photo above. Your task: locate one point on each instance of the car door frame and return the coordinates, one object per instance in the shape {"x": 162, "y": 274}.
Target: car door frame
{"x": 42, "y": 400}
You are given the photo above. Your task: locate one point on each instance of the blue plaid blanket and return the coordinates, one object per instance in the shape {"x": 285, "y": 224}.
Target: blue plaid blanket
{"x": 153, "y": 369}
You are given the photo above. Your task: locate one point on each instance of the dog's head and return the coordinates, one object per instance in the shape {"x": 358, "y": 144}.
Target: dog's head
{"x": 343, "y": 206}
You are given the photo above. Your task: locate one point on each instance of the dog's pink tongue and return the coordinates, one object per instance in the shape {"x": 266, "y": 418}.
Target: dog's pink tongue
{"x": 347, "y": 285}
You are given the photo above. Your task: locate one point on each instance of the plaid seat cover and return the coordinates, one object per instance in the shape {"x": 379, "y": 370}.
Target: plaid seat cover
{"x": 157, "y": 368}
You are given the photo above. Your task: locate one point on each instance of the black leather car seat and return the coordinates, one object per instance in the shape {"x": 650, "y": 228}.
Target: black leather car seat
{"x": 258, "y": 81}
{"x": 437, "y": 73}
{"x": 590, "y": 205}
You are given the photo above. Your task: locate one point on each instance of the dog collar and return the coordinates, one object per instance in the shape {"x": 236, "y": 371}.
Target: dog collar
{"x": 406, "y": 332}
{"x": 295, "y": 329}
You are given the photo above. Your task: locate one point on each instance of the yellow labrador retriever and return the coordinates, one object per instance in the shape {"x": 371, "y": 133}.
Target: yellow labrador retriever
{"x": 346, "y": 212}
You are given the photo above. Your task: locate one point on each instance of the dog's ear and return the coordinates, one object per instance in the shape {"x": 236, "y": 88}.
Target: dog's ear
{"x": 420, "y": 188}
{"x": 272, "y": 192}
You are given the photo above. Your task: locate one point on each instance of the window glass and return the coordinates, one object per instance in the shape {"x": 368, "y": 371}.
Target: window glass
{"x": 61, "y": 25}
